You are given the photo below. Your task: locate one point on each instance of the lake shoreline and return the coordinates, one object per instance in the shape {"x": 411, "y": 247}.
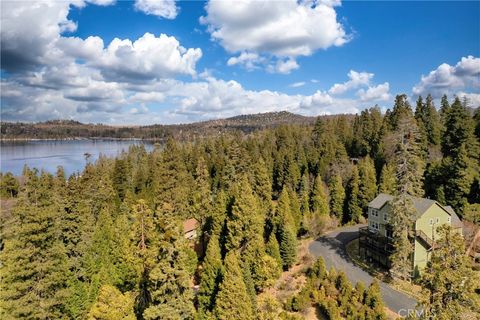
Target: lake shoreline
{"x": 81, "y": 139}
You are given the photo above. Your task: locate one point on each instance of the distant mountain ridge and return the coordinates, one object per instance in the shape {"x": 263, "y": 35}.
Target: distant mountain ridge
{"x": 71, "y": 129}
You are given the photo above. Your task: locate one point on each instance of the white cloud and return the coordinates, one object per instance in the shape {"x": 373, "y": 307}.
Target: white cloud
{"x": 247, "y": 59}
{"x": 161, "y": 8}
{"x": 53, "y": 75}
{"x": 148, "y": 97}
{"x": 287, "y": 29}
{"x": 357, "y": 79}
{"x": 284, "y": 66}
{"x": 297, "y": 84}
{"x": 447, "y": 79}
{"x": 148, "y": 57}
{"x": 375, "y": 93}
{"x": 473, "y": 99}
{"x": 142, "y": 109}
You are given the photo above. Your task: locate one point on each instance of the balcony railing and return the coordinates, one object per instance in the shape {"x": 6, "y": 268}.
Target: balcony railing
{"x": 375, "y": 241}
{"x": 423, "y": 236}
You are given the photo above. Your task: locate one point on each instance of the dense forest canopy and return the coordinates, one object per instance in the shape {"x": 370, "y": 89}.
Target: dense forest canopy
{"x": 108, "y": 243}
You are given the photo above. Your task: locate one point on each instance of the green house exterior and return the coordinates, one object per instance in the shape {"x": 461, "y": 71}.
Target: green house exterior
{"x": 376, "y": 239}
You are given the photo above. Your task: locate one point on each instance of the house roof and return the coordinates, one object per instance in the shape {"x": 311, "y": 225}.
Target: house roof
{"x": 456, "y": 222}
{"x": 189, "y": 225}
{"x": 380, "y": 200}
{"x": 421, "y": 205}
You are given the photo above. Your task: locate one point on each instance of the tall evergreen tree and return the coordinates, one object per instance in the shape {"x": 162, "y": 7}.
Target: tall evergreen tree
{"x": 169, "y": 279}
{"x": 288, "y": 248}
{"x": 273, "y": 248}
{"x": 34, "y": 263}
{"x": 353, "y": 209}
{"x": 111, "y": 304}
{"x": 387, "y": 180}
{"x": 210, "y": 278}
{"x": 459, "y": 130}
{"x": 232, "y": 298}
{"x": 448, "y": 281}
{"x": 319, "y": 199}
{"x": 410, "y": 169}
{"x": 337, "y": 196}
{"x": 9, "y": 185}
{"x": 367, "y": 188}
{"x": 460, "y": 177}
{"x": 444, "y": 107}
{"x": 245, "y": 221}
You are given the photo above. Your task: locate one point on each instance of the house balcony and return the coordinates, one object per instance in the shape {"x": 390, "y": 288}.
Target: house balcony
{"x": 375, "y": 246}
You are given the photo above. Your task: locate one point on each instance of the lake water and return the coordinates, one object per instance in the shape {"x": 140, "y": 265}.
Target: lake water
{"x": 48, "y": 155}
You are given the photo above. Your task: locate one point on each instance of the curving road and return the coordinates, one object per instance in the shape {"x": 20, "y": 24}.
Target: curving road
{"x": 332, "y": 248}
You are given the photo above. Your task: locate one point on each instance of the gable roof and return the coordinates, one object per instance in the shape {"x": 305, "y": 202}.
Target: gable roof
{"x": 456, "y": 222}
{"x": 189, "y": 225}
{"x": 421, "y": 205}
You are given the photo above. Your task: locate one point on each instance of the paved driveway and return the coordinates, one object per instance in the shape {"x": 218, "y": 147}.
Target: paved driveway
{"x": 332, "y": 248}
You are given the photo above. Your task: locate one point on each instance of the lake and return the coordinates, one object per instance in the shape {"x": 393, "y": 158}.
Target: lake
{"x": 70, "y": 154}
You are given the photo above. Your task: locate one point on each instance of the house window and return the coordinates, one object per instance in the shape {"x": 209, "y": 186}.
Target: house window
{"x": 437, "y": 220}
{"x": 388, "y": 233}
{"x": 385, "y": 217}
{"x": 431, "y": 222}
{"x": 449, "y": 219}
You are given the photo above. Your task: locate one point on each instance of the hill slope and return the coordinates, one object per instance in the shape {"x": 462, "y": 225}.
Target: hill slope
{"x": 68, "y": 129}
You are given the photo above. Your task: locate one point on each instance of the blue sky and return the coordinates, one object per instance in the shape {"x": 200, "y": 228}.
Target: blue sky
{"x": 310, "y": 58}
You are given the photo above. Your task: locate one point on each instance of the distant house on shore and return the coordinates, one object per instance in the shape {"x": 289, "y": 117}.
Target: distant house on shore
{"x": 190, "y": 228}
{"x": 376, "y": 239}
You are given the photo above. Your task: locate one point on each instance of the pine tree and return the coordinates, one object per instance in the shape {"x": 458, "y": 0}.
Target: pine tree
{"x": 410, "y": 169}
{"x": 305, "y": 202}
{"x": 353, "y": 209}
{"x": 9, "y": 185}
{"x": 367, "y": 188}
{"x": 401, "y": 110}
{"x": 273, "y": 249}
{"x": 373, "y": 300}
{"x": 448, "y": 281}
{"x": 319, "y": 199}
{"x": 387, "y": 180}
{"x": 432, "y": 122}
{"x": 262, "y": 185}
{"x": 201, "y": 204}
{"x": 288, "y": 248}
{"x": 337, "y": 196}
{"x": 111, "y": 304}
{"x": 168, "y": 282}
{"x": 283, "y": 212}
{"x": 245, "y": 221}
{"x": 120, "y": 178}
{"x": 216, "y": 221}
{"x": 34, "y": 263}
{"x": 420, "y": 117}
{"x": 232, "y": 298}
{"x": 460, "y": 177}
{"x": 295, "y": 209}
{"x": 444, "y": 107}
{"x": 459, "y": 130}
{"x": 210, "y": 278}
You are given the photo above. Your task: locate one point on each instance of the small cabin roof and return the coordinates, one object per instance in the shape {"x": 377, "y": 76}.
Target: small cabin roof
{"x": 189, "y": 225}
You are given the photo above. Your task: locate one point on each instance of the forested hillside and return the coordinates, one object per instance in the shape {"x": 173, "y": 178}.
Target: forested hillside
{"x": 108, "y": 243}
{"x": 69, "y": 129}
